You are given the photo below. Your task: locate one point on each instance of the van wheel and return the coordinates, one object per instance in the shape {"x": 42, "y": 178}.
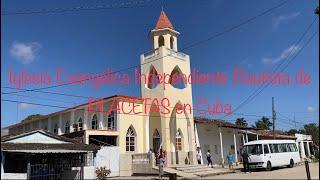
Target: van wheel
{"x": 291, "y": 163}
{"x": 269, "y": 167}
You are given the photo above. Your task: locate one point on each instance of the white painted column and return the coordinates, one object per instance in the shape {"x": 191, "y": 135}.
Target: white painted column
{"x": 257, "y": 137}
{"x": 197, "y": 141}
{"x": 100, "y": 123}
{"x": 60, "y": 125}
{"x": 71, "y": 121}
{"x": 85, "y": 119}
{"x": 308, "y": 149}
{"x": 221, "y": 147}
{"x": 147, "y": 133}
{"x": 243, "y": 140}
{"x": 303, "y": 154}
{"x": 235, "y": 147}
{"x": 196, "y": 135}
{"x": 2, "y": 162}
{"x": 247, "y": 136}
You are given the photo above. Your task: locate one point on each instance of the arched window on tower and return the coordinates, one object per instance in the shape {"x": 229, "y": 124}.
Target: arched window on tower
{"x": 153, "y": 78}
{"x": 161, "y": 41}
{"x": 179, "y": 140}
{"x": 177, "y": 78}
{"x": 94, "y": 122}
{"x": 171, "y": 42}
{"x": 67, "y": 127}
{"x": 130, "y": 139}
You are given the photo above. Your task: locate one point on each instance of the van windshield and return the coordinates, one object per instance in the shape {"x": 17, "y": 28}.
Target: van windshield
{"x": 254, "y": 149}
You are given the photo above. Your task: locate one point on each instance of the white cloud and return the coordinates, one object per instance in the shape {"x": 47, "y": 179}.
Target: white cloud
{"x": 284, "y": 54}
{"x": 278, "y": 20}
{"x": 25, "y": 106}
{"x": 26, "y": 53}
{"x": 311, "y": 109}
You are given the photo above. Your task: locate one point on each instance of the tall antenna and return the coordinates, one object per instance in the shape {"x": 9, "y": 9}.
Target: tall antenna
{"x": 162, "y": 5}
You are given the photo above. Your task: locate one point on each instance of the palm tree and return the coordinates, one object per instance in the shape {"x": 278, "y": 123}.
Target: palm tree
{"x": 241, "y": 122}
{"x": 263, "y": 123}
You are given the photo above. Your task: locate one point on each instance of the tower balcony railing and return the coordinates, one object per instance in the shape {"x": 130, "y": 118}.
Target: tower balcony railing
{"x": 163, "y": 51}
{"x": 178, "y": 55}
{"x": 151, "y": 54}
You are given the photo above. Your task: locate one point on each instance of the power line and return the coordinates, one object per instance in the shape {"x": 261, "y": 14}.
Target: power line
{"x": 49, "y": 99}
{"x": 232, "y": 28}
{"x": 47, "y": 92}
{"x": 284, "y": 123}
{"x": 263, "y": 86}
{"x": 122, "y": 5}
{"x": 78, "y": 108}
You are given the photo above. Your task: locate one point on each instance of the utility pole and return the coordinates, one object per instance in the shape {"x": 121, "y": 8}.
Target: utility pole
{"x": 273, "y": 118}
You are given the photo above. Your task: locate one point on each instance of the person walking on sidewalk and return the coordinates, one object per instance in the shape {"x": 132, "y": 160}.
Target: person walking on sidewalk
{"x": 199, "y": 157}
{"x": 245, "y": 161}
{"x": 230, "y": 161}
{"x": 161, "y": 164}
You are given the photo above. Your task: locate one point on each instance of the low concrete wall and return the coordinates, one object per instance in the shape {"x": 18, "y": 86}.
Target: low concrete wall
{"x": 89, "y": 172}
{"x": 13, "y": 175}
{"x": 109, "y": 156}
{"x": 143, "y": 164}
{"x": 126, "y": 164}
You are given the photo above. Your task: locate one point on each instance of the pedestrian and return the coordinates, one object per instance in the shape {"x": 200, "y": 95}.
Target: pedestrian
{"x": 230, "y": 161}
{"x": 161, "y": 164}
{"x": 199, "y": 157}
{"x": 245, "y": 161}
{"x": 209, "y": 159}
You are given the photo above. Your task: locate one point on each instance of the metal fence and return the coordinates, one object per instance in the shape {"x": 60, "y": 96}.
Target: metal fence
{"x": 54, "y": 171}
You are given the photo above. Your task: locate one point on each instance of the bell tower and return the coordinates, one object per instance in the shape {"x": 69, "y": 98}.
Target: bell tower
{"x": 174, "y": 130}
{"x": 164, "y": 34}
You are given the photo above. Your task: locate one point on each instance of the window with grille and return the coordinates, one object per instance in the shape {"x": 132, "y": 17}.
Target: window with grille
{"x": 130, "y": 139}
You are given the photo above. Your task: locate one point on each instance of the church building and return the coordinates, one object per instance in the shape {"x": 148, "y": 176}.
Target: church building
{"x": 135, "y": 133}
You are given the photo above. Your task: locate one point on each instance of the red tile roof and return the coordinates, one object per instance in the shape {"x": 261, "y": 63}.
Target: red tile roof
{"x": 163, "y": 22}
{"x": 269, "y": 134}
{"x": 219, "y": 123}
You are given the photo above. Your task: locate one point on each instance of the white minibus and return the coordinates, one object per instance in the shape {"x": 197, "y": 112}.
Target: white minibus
{"x": 272, "y": 153}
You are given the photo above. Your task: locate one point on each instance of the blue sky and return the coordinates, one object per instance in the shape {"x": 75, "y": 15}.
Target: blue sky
{"x": 91, "y": 41}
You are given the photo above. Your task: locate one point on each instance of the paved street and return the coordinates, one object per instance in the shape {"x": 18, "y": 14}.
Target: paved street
{"x": 297, "y": 172}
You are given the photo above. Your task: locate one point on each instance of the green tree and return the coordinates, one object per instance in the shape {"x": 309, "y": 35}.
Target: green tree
{"x": 263, "y": 123}
{"x": 241, "y": 122}
{"x": 32, "y": 116}
{"x": 313, "y": 130}
{"x": 292, "y": 131}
